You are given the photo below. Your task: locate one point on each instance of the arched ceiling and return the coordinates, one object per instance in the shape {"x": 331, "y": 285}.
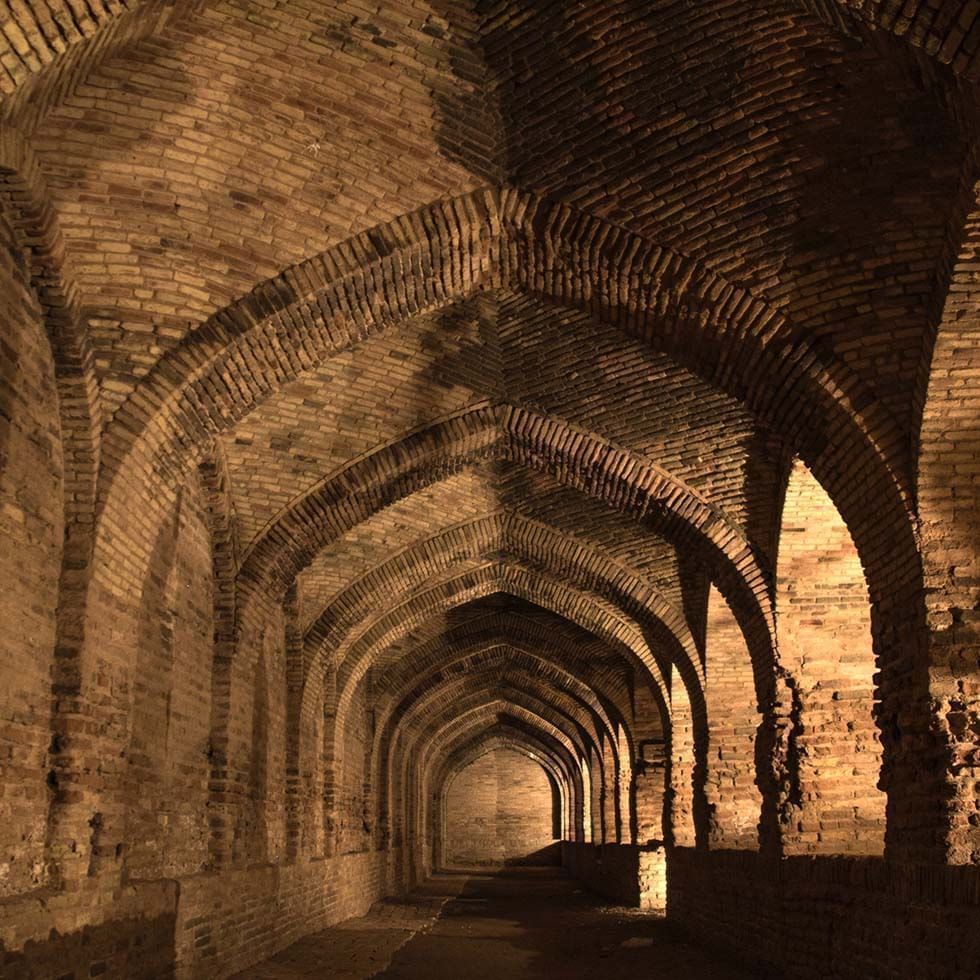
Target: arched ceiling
{"x": 483, "y": 626}
{"x": 501, "y": 321}
{"x": 239, "y": 144}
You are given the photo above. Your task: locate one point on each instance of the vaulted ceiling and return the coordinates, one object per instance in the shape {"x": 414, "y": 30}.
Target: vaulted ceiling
{"x": 504, "y": 320}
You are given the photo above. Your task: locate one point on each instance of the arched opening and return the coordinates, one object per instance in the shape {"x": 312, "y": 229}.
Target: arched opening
{"x": 682, "y": 770}
{"x": 834, "y": 750}
{"x": 502, "y": 809}
{"x": 733, "y": 798}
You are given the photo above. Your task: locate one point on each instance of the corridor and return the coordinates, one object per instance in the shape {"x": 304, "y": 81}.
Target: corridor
{"x": 453, "y": 434}
{"x": 495, "y": 925}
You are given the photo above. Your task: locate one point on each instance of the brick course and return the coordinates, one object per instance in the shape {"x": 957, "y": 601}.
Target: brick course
{"x": 433, "y": 431}
{"x": 499, "y": 811}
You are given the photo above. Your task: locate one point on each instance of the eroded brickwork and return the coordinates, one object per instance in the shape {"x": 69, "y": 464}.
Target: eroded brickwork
{"x": 733, "y": 800}
{"x": 435, "y": 433}
{"x": 825, "y": 640}
{"x": 31, "y": 523}
{"x": 167, "y": 758}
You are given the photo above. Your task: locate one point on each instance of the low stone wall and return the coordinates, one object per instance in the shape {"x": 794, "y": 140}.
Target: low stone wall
{"x": 830, "y": 917}
{"x": 626, "y": 873}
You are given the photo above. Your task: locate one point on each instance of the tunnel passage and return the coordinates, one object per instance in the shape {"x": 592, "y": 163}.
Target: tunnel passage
{"x": 503, "y": 808}
{"x": 447, "y": 435}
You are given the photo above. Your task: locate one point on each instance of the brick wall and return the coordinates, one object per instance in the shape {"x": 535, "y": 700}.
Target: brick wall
{"x": 167, "y": 758}
{"x": 226, "y": 922}
{"x": 31, "y": 528}
{"x": 629, "y": 874}
{"x": 127, "y": 934}
{"x": 354, "y": 811}
{"x": 733, "y": 798}
{"x": 206, "y": 925}
{"x": 823, "y": 917}
{"x": 682, "y": 762}
{"x": 949, "y": 496}
{"x": 499, "y": 810}
{"x": 427, "y": 288}
{"x": 825, "y": 644}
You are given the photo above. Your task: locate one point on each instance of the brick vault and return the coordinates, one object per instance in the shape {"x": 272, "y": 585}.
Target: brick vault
{"x": 453, "y": 433}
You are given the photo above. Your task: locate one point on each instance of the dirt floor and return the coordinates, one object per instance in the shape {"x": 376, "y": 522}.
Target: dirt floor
{"x": 505, "y": 925}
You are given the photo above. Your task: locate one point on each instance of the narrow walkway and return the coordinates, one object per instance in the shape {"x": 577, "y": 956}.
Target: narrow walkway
{"x": 477, "y": 926}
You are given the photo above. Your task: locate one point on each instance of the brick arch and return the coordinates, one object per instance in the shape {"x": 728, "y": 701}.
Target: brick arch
{"x": 486, "y": 742}
{"x": 476, "y": 717}
{"x": 445, "y": 707}
{"x": 475, "y": 741}
{"x": 67, "y": 55}
{"x": 476, "y": 749}
{"x": 421, "y": 720}
{"x": 429, "y": 604}
{"x": 514, "y": 720}
{"x": 494, "y": 718}
{"x": 445, "y": 595}
{"x": 500, "y": 535}
{"x": 484, "y": 428}
{"x": 676, "y": 638}
{"x": 516, "y": 631}
{"x": 538, "y": 677}
{"x": 946, "y": 32}
{"x": 459, "y": 729}
{"x": 486, "y": 657}
{"x": 733, "y": 340}
{"x": 467, "y": 729}
{"x": 583, "y": 462}
{"x": 58, "y": 51}
{"x": 451, "y": 657}
{"x": 575, "y": 457}
{"x": 26, "y": 205}
{"x": 431, "y": 258}
{"x": 493, "y": 237}
{"x": 425, "y": 260}
{"x": 667, "y": 629}
{"x": 526, "y": 628}
{"x": 57, "y": 38}
{"x": 422, "y": 620}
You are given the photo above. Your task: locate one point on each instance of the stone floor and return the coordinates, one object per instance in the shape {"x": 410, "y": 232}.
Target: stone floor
{"x": 479, "y": 926}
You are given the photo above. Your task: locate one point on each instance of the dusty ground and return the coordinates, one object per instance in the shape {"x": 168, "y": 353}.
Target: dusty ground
{"x": 476, "y": 926}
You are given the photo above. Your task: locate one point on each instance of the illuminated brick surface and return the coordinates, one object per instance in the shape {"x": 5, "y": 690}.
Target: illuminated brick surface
{"x": 462, "y": 433}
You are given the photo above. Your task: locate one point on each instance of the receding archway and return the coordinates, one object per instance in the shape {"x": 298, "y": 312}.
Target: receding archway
{"x": 502, "y": 808}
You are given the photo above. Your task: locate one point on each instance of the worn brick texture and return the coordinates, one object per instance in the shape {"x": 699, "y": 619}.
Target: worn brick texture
{"x": 32, "y": 525}
{"x": 457, "y": 433}
{"x": 501, "y": 809}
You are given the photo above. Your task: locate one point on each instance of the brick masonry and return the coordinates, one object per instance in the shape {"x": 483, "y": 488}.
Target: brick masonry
{"x": 501, "y": 809}
{"x": 431, "y": 432}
